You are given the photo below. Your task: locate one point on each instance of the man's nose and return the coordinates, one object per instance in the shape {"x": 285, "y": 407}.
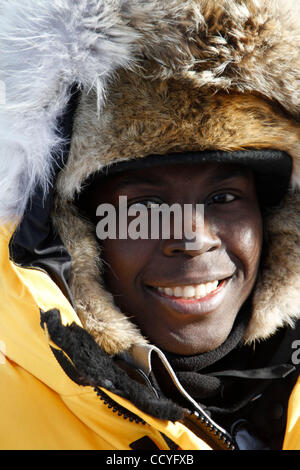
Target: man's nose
{"x": 205, "y": 240}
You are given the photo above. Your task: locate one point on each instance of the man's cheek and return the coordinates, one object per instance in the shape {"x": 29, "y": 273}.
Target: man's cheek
{"x": 125, "y": 258}
{"x": 249, "y": 244}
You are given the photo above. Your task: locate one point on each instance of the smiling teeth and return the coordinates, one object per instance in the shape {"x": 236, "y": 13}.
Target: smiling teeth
{"x": 190, "y": 292}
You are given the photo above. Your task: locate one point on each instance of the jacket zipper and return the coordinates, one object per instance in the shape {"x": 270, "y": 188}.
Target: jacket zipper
{"x": 200, "y": 424}
{"x": 206, "y": 429}
{"x": 116, "y": 408}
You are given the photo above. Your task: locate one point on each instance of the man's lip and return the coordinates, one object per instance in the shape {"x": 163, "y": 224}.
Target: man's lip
{"x": 187, "y": 282}
{"x": 200, "y": 306}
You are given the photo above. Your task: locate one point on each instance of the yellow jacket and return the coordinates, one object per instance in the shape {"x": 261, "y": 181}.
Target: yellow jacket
{"x": 42, "y": 408}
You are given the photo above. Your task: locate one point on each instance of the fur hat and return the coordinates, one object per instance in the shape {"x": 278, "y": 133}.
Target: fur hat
{"x": 156, "y": 78}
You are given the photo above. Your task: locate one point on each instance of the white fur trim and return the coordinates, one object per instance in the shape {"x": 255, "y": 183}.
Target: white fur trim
{"x": 45, "y": 46}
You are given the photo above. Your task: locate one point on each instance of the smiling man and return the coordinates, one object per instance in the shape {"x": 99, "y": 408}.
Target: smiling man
{"x": 185, "y": 300}
{"x": 182, "y": 338}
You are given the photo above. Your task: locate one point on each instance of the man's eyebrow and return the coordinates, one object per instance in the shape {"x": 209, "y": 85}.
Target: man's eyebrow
{"x": 232, "y": 173}
{"x": 218, "y": 176}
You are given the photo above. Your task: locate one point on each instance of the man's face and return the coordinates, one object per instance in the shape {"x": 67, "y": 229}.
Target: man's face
{"x": 185, "y": 300}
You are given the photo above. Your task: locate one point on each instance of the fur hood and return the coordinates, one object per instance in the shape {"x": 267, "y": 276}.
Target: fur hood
{"x": 191, "y": 75}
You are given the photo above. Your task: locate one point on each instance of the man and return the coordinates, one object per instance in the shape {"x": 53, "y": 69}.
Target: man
{"x": 192, "y": 345}
{"x": 164, "y": 283}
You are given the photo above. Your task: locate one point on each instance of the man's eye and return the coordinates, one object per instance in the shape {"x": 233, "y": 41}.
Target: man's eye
{"x": 223, "y": 198}
{"x": 147, "y": 204}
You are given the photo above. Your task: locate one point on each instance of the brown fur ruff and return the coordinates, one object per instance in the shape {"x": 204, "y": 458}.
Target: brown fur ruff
{"x": 209, "y": 75}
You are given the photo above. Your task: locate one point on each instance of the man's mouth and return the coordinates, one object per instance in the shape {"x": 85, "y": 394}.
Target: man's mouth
{"x": 192, "y": 298}
{"x": 190, "y": 292}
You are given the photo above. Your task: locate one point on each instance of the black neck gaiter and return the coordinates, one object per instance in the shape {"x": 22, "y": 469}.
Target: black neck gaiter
{"x": 195, "y": 373}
